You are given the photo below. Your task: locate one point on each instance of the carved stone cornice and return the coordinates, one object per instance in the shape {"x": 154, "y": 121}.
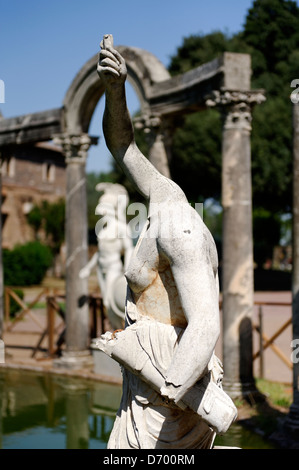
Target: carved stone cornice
{"x": 75, "y": 147}
{"x": 236, "y": 106}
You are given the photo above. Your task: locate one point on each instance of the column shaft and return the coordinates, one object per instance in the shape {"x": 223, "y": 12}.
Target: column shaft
{"x": 77, "y": 332}
{"x": 77, "y": 353}
{"x": 237, "y": 262}
{"x": 237, "y": 259}
{"x": 292, "y": 421}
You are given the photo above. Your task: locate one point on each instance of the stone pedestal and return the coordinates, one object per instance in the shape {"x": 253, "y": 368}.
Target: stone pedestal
{"x": 237, "y": 261}
{"x": 77, "y": 354}
{"x": 292, "y": 422}
{"x": 74, "y": 360}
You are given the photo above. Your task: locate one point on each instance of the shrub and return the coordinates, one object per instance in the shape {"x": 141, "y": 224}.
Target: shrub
{"x": 26, "y": 265}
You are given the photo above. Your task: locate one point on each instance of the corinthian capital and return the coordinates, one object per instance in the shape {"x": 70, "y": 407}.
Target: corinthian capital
{"x": 236, "y": 106}
{"x": 148, "y": 123}
{"x": 75, "y": 147}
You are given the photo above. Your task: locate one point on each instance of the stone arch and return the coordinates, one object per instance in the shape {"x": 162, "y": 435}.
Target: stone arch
{"x": 144, "y": 70}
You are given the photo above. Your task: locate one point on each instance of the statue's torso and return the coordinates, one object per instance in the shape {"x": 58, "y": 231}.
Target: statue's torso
{"x": 151, "y": 281}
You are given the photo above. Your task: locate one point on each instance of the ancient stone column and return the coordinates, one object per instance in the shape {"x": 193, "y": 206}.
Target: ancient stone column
{"x": 237, "y": 260}
{"x": 158, "y": 137}
{"x": 75, "y": 148}
{"x": 292, "y": 421}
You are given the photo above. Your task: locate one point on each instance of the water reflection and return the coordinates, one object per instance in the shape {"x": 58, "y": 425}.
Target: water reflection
{"x": 47, "y": 411}
{"x": 238, "y": 436}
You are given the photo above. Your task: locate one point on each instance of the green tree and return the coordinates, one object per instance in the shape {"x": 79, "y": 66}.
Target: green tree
{"x": 51, "y": 218}
{"x": 199, "y": 49}
{"x": 272, "y": 30}
{"x": 27, "y": 264}
{"x": 271, "y": 36}
{"x": 196, "y": 154}
{"x": 196, "y": 159}
{"x": 266, "y": 234}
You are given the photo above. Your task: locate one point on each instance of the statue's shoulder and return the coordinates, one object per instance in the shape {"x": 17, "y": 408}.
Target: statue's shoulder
{"x": 181, "y": 231}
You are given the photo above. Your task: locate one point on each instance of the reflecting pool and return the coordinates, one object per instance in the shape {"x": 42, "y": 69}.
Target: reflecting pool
{"x": 49, "y": 411}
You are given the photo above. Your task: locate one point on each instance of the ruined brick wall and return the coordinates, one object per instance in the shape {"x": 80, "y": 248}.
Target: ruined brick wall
{"x": 30, "y": 175}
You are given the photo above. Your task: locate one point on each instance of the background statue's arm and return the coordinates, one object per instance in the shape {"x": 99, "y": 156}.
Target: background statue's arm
{"x": 196, "y": 285}
{"x": 85, "y": 272}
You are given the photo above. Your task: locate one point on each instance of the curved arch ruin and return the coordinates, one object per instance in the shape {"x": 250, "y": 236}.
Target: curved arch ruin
{"x": 144, "y": 70}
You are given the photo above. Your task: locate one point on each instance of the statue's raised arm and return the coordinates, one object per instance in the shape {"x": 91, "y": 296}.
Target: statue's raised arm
{"x": 119, "y": 132}
{"x": 117, "y": 124}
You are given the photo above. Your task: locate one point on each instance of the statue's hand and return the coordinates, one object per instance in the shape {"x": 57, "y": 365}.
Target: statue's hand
{"x": 111, "y": 67}
{"x": 83, "y": 273}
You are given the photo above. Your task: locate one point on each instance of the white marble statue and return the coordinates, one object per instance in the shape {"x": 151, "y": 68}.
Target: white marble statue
{"x": 114, "y": 246}
{"x": 172, "y": 392}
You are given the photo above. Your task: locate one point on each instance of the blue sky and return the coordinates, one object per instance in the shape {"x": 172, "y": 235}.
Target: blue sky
{"x": 44, "y": 43}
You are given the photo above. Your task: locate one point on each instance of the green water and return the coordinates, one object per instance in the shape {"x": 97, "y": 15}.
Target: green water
{"x": 48, "y": 411}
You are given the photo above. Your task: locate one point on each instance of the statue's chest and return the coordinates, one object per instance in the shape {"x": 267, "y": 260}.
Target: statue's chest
{"x": 145, "y": 262}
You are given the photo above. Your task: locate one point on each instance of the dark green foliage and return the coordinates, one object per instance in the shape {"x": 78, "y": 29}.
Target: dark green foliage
{"x": 50, "y": 217}
{"x": 266, "y": 234}
{"x": 54, "y": 217}
{"x": 272, "y": 156}
{"x": 27, "y": 264}
{"x": 197, "y": 50}
{"x": 196, "y": 153}
{"x": 272, "y": 29}
{"x": 35, "y": 218}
